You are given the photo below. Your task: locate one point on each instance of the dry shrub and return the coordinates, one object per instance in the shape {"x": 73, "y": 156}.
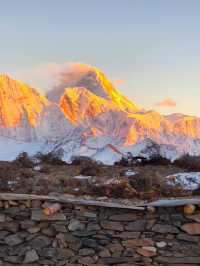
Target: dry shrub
{"x": 157, "y": 160}
{"x": 115, "y": 189}
{"x": 23, "y": 160}
{"x": 52, "y": 158}
{"x": 148, "y": 187}
{"x": 26, "y": 173}
{"x": 122, "y": 162}
{"x": 8, "y": 169}
{"x": 45, "y": 169}
{"x": 188, "y": 162}
{"x": 166, "y": 191}
{"x": 77, "y": 186}
{"x": 92, "y": 170}
{"x": 88, "y": 167}
{"x": 139, "y": 160}
{"x": 131, "y": 160}
{"x": 78, "y": 160}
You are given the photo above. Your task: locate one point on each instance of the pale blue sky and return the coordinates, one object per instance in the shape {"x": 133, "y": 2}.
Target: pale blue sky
{"x": 153, "y": 45}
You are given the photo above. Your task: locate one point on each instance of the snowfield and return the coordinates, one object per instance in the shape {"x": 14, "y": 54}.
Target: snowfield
{"x": 101, "y": 149}
{"x": 10, "y": 149}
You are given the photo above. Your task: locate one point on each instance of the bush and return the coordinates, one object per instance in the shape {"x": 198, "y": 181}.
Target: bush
{"x": 92, "y": 170}
{"x": 77, "y": 186}
{"x": 188, "y": 162}
{"x": 80, "y": 160}
{"x": 53, "y": 157}
{"x": 158, "y": 160}
{"x": 139, "y": 160}
{"x": 114, "y": 188}
{"x": 131, "y": 160}
{"x": 122, "y": 162}
{"x": 24, "y": 160}
{"x": 88, "y": 167}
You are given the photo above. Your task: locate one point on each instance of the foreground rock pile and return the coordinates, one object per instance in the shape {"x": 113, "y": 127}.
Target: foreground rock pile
{"x": 77, "y": 235}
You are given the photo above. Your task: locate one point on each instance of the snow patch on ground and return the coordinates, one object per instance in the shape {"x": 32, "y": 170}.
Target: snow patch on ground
{"x": 82, "y": 177}
{"x": 112, "y": 181}
{"x": 130, "y": 173}
{"x": 187, "y": 181}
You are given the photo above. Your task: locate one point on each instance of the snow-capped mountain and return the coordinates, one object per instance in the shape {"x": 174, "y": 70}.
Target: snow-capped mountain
{"x": 93, "y": 80}
{"x": 20, "y": 108}
{"x": 86, "y": 115}
{"x": 26, "y": 115}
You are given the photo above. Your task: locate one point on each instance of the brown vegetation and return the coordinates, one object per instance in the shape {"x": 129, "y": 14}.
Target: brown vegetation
{"x": 188, "y": 162}
{"x": 52, "y": 158}
{"x": 47, "y": 173}
{"x": 23, "y": 160}
{"x": 138, "y": 160}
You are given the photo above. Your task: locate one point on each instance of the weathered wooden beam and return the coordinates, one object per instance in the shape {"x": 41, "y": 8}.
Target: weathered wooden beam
{"x": 68, "y": 200}
{"x": 172, "y": 202}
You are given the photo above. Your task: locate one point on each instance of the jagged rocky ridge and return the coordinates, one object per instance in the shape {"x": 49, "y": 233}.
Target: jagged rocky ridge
{"x": 88, "y": 116}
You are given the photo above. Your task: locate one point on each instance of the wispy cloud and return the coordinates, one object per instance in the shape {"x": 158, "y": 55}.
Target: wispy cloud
{"x": 46, "y": 76}
{"x": 168, "y": 102}
{"x": 118, "y": 82}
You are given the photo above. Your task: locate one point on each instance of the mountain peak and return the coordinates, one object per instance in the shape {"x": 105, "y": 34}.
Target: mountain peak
{"x": 79, "y": 104}
{"x": 17, "y": 101}
{"x": 96, "y": 82}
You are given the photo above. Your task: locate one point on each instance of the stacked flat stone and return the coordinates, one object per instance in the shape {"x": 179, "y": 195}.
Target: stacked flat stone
{"x": 81, "y": 235}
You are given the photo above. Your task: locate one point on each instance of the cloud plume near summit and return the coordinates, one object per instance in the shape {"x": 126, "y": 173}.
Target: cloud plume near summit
{"x": 46, "y": 76}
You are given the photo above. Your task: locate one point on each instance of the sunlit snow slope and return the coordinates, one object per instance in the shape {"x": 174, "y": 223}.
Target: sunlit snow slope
{"x": 85, "y": 114}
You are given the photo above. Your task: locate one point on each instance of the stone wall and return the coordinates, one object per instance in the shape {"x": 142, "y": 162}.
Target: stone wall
{"x": 79, "y": 235}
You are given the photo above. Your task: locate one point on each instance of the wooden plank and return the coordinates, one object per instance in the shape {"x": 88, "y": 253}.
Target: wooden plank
{"x": 64, "y": 199}
{"x": 172, "y": 202}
